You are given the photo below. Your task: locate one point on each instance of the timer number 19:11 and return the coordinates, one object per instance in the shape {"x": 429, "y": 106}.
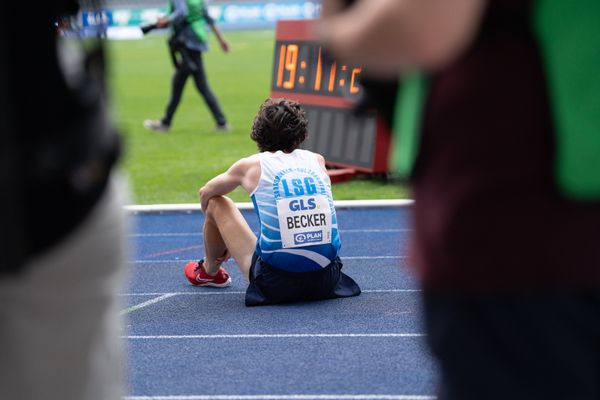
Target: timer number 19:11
{"x": 288, "y": 61}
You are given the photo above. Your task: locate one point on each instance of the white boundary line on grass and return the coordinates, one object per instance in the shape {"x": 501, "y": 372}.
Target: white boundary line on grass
{"x": 250, "y": 206}
{"x": 286, "y": 397}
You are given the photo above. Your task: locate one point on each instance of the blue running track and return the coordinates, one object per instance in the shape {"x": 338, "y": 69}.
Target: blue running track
{"x": 190, "y": 343}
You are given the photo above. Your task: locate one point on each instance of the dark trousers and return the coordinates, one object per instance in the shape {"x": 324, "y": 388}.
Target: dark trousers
{"x": 193, "y": 67}
{"x": 270, "y": 285}
{"x": 542, "y": 346}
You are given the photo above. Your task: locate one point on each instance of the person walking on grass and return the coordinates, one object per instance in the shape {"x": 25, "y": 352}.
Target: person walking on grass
{"x": 188, "y": 20}
{"x": 295, "y": 257}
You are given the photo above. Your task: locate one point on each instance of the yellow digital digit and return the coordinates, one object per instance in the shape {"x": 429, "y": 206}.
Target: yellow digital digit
{"x": 281, "y": 64}
{"x": 353, "y": 88}
{"x": 318, "y": 74}
{"x": 291, "y": 59}
{"x": 332, "y": 71}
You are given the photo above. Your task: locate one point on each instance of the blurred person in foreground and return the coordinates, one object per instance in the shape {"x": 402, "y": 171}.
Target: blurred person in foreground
{"x": 188, "y": 20}
{"x": 62, "y": 227}
{"x": 295, "y": 257}
{"x": 506, "y": 182}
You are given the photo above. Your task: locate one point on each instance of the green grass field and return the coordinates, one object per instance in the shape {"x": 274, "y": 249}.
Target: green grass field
{"x": 170, "y": 168}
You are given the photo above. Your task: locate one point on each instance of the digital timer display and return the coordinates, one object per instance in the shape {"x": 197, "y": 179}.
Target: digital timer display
{"x": 328, "y": 90}
{"x": 303, "y": 67}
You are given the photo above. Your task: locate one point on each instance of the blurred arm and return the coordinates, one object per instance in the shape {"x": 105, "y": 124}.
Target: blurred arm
{"x": 222, "y": 41}
{"x": 180, "y": 12}
{"x": 332, "y": 7}
{"x": 387, "y": 36}
{"x": 215, "y": 29}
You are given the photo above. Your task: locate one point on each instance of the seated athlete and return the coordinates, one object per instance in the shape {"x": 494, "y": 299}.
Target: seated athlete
{"x": 296, "y": 255}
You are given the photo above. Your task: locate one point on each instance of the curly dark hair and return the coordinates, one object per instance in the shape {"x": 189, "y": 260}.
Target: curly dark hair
{"x": 280, "y": 124}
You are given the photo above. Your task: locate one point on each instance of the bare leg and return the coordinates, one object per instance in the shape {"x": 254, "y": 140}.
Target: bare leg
{"x": 226, "y": 230}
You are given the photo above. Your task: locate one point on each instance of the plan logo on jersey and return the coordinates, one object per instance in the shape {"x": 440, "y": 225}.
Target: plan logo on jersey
{"x": 308, "y": 237}
{"x": 304, "y": 220}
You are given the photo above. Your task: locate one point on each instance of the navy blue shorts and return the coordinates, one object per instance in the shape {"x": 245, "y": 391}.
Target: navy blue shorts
{"x": 270, "y": 285}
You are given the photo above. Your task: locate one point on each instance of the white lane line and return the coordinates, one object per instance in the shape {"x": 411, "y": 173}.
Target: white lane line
{"x": 200, "y": 293}
{"x": 278, "y": 336}
{"x": 147, "y": 303}
{"x": 342, "y": 257}
{"x": 287, "y": 397}
{"x": 200, "y": 234}
{"x": 212, "y": 293}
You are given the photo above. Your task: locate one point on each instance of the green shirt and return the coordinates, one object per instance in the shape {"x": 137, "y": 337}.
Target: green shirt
{"x": 569, "y": 40}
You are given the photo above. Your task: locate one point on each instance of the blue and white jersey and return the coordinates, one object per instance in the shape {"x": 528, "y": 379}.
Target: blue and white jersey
{"x": 298, "y": 224}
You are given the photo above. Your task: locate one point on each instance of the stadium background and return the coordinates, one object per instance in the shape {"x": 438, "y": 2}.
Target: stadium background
{"x": 163, "y": 313}
{"x": 170, "y": 168}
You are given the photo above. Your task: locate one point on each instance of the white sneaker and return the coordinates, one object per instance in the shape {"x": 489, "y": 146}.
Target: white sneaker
{"x": 156, "y": 125}
{"x": 226, "y": 127}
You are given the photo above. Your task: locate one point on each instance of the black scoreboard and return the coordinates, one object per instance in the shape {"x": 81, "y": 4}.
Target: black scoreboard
{"x": 328, "y": 91}
{"x": 302, "y": 67}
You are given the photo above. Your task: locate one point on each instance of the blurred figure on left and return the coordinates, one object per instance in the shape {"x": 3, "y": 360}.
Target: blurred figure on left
{"x": 62, "y": 228}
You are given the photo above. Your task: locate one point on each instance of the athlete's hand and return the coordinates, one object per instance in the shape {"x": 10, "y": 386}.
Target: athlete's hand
{"x": 203, "y": 199}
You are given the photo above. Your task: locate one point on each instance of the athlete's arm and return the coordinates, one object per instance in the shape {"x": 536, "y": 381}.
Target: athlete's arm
{"x": 321, "y": 161}
{"x": 241, "y": 173}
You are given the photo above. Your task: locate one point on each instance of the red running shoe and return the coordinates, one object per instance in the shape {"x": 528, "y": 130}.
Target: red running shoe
{"x": 195, "y": 273}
